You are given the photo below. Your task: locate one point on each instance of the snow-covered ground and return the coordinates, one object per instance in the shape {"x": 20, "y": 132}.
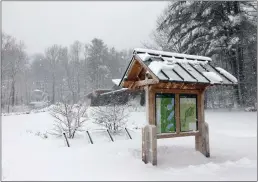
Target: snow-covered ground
{"x": 28, "y": 156}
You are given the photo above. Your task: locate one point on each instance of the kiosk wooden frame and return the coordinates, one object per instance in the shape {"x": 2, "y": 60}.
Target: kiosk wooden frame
{"x": 177, "y": 74}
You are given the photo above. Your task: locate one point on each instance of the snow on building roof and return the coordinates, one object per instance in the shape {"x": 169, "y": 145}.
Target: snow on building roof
{"x": 116, "y": 81}
{"x": 176, "y": 67}
{"x": 97, "y": 92}
{"x": 115, "y": 91}
{"x": 37, "y": 90}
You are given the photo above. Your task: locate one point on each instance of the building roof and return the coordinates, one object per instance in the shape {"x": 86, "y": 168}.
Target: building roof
{"x": 116, "y": 81}
{"x": 115, "y": 91}
{"x": 97, "y": 92}
{"x": 174, "y": 67}
{"x": 37, "y": 90}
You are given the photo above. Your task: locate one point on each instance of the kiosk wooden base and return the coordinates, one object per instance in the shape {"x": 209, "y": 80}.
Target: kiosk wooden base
{"x": 150, "y": 136}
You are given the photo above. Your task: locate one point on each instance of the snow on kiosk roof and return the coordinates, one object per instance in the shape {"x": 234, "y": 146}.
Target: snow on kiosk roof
{"x": 177, "y": 68}
{"x": 174, "y": 87}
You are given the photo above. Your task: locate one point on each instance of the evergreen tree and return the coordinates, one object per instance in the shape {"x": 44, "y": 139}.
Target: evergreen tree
{"x": 219, "y": 29}
{"x": 97, "y": 69}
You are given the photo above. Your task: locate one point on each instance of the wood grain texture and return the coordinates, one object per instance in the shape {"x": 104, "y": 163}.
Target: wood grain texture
{"x": 177, "y": 112}
{"x": 181, "y": 86}
{"x": 153, "y": 143}
{"x": 200, "y": 102}
{"x": 174, "y": 135}
{"x": 207, "y": 141}
{"x": 202, "y": 141}
{"x": 175, "y": 91}
{"x": 136, "y": 57}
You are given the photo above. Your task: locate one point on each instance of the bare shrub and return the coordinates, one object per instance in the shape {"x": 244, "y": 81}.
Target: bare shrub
{"x": 69, "y": 119}
{"x": 42, "y": 135}
{"x": 112, "y": 117}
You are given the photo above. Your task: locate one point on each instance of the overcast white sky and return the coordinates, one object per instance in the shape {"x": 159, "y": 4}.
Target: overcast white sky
{"x": 119, "y": 24}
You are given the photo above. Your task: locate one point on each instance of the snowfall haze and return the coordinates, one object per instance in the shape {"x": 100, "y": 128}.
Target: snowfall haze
{"x": 123, "y": 25}
{"x": 70, "y": 112}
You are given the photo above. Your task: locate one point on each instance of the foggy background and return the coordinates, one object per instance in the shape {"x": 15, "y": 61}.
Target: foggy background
{"x": 56, "y": 50}
{"x": 123, "y": 24}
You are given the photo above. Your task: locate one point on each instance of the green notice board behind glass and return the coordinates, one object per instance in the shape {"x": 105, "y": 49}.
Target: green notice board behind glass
{"x": 165, "y": 113}
{"x": 188, "y": 112}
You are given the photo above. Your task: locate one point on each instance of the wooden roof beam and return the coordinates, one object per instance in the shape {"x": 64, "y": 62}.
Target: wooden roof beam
{"x": 146, "y": 67}
{"x": 134, "y": 69}
{"x": 141, "y": 83}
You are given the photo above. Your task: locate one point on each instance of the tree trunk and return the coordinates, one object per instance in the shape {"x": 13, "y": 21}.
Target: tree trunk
{"x": 234, "y": 63}
{"x": 13, "y": 92}
{"x": 78, "y": 88}
{"x": 241, "y": 75}
{"x": 53, "y": 88}
{"x": 74, "y": 97}
{"x": 26, "y": 91}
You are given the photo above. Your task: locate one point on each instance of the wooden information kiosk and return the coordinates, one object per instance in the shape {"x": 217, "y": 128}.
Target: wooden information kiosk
{"x": 174, "y": 87}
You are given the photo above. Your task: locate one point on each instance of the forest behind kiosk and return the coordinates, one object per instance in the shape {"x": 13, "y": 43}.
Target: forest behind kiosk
{"x": 230, "y": 38}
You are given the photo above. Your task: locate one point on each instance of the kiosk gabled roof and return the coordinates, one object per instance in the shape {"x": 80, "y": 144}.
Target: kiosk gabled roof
{"x": 174, "y": 67}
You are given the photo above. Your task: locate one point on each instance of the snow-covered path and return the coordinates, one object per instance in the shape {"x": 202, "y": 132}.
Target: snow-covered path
{"x": 26, "y": 156}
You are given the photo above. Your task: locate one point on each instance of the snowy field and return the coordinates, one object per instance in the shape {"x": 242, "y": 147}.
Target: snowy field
{"x": 26, "y": 155}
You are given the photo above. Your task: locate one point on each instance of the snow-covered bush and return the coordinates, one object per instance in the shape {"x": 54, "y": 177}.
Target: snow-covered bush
{"x": 134, "y": 104}
{"x": 42, "y": 135}
{"x": 112, "y": 117}
{"x": 251, "y": 109}
{"x": 69, "y": 119}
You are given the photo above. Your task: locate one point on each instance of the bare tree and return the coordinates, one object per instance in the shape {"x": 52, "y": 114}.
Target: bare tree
{"x": 84, "y": 68}
{"x": 69, "y": 119}
{"x": 113, "y": 117}
{"x": 52, "y": 55}
{"x": 14, "y": 59}
{"x": 75, "y": 70}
